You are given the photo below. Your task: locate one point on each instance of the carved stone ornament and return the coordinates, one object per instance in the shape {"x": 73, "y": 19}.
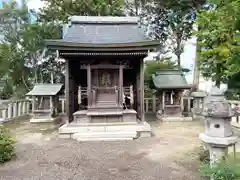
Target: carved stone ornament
{"x": 218, "y": 109}
{"x": 215, "y": 105}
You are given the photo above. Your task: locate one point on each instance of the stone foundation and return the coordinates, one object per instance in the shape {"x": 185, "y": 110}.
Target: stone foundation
{"x": 105, "y": 131}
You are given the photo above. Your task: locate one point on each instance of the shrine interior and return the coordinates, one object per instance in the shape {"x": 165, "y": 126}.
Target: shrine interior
{"x": 78, "y": 76}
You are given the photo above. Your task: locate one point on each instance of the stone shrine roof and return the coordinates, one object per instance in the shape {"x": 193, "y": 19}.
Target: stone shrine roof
{"x": 95, "y": 31}
{"x": 170, "y": 79}
{"x": 45, "y": 90}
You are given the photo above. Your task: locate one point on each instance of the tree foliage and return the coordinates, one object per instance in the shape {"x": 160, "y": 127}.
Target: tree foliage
{"x": 170, "y": 21}
{"x": 23, "y": 58}
{"x": 59, "y": 11}
{"x": 219, "y": 43}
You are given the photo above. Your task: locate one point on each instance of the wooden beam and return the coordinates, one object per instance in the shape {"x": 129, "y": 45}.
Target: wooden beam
{"x": 103, "y": 66}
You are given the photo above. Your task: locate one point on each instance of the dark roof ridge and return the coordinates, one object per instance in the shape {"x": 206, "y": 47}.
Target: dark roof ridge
{"x": 103, "y": 20}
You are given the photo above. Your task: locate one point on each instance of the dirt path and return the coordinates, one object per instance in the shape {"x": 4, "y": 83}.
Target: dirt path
{"x": 168, "y": 155}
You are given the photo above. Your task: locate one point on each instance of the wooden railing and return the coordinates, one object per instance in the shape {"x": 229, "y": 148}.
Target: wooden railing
{"x": 10, "y": 110}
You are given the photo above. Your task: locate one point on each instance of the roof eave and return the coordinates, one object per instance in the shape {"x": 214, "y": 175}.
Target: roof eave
{"x": 61, "y": 45}
{"x": 173, "y": 87}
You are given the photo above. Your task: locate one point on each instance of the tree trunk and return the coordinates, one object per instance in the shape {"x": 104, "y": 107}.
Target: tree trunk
{"x": 218, "y": 76}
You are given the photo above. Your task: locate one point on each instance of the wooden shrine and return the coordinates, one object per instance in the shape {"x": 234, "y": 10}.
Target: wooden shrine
{"x": 45, "y": 102}
{"x": 104, "y": 73}
{"x": 170, "y": 85}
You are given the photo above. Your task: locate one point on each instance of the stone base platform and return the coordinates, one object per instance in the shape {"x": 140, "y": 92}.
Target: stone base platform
{"x": 105, "y": 131}
{"x": 176, "y": 119}
{"x": 226, "y": 141}
{"x": 105, "y": 116}
{"x": 45, "y": 120}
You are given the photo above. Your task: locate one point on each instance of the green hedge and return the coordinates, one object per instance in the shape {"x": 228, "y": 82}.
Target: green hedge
{"x": 224, "y": 170}
{"x": 7, "y": 150}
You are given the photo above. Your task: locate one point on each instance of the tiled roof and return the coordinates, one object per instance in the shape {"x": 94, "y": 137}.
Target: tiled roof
{"x": 45, "y": 90}
{"x": 170, "y": 79}
{"x": 104, "y": 30}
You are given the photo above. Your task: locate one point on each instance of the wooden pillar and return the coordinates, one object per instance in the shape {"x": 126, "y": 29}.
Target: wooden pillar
{"x": 142, "y": 90}
{"x": 120, "y": 85}
{"x": 67, "y": 91}
{"x": 163, "y": 100}
{"x": 89, "y": 84}
{"x": 154, "y": 103}
{"x": 51, "y": 104}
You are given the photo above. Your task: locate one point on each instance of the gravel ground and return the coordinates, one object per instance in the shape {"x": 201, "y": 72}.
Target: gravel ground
{"x": 168, "y": 155}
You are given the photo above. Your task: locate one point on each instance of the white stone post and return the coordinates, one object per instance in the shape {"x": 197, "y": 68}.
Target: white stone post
{"x": 9, "y": 110}
{"x": 63, "y": 105}
{"x": 19, "y": 108}
{"x": 15, "y": 109}
{"x": 27, "y": 107}
{"x": 24, "y": 107}
{"x": 4, "y": 114}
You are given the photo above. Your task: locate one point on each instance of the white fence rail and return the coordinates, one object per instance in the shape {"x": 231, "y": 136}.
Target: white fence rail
{"x": 10, "y": 110}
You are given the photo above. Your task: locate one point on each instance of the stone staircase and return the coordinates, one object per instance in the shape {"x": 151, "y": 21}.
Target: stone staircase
{"x": 106, "y": 100}
{"x": 105, "y": 132}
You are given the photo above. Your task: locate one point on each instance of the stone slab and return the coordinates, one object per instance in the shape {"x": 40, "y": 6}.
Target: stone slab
{"x": 64, "y": 136}
{"x": 176, "y": 119}
{"x": 103, "y": 139}
{"x": 120, "y": 134}
{"x": 48, "y": 120}
{"x": 227, "y": 141}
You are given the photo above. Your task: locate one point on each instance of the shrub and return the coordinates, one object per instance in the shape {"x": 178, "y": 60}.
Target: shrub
{"x": 224, "y": 170}
{"x": 6, "y": 145}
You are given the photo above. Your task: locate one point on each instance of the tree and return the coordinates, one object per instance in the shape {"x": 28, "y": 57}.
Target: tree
{"x": 59, "y": 11}
{"x": 22, "y": 48}
{"x": 219, "y": 40}
{"x": 171, "y": 22}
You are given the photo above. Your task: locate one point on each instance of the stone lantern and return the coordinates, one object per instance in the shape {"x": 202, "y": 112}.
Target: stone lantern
{"x": 218, "y": 133}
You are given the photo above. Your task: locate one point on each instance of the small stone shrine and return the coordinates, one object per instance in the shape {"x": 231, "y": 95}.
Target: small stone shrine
{"x": 218, "y": 135}
{"x": 45, "y": 102}
{"x": 170, "y": 85}
{"x": 198, "y": 98}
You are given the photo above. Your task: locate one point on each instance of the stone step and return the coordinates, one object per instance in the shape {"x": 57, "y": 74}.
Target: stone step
{"x": 105, "y": 113}
{"x": 122, "y": 135}
{"x": 103, "y": 139}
